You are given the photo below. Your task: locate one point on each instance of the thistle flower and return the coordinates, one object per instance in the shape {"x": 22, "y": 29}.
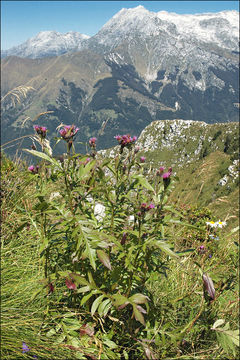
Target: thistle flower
{"x": 125, "y": 140}
{"x": 41, "y": 130}
{"x": 33, "y": 169}
{"x": 151, "y": 206}
{"x": 68, "y": 132}
{"x": 160, "y": 171}
{"x": 92, "y": 142}
{"x": 145, "y": 208}
{"x": 142, "y": 159}
{"x": 166, "y": 175}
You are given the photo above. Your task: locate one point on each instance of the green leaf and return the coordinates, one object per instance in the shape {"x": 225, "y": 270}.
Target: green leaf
{"x": 119, "y": 299}
{"x": 110, "y": 343}
{"x": 138, "y": 315}
{"x": 172, "y": 210}
{"x": 79, "y": 279}
{"x": 86, "y": 297}
{"x": 143, "y": 181}
{"x": 218, "y": 323}
{"x": 51, "y": 333}
{"x": 83, "y": 289}
{"x": 96, "y": 303}
{"x": 227, "y": 338}
{"x": 44, "y": 156}
{"x": 175, "y": 221}
{"x": 91, "y": 253}
{"x": 139, "y": 298}
{"x": 19, "y": 228}
{"x": 164, "y": 247}
{"x": 102, "y": 306}
{"x": 103, "y": 257}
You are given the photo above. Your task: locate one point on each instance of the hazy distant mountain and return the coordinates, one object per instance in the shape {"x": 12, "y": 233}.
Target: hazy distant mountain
{"x": 140, "y": 67}
{"x": 48, "y": 43}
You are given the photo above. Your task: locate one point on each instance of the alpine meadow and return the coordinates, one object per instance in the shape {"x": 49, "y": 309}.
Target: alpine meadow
{"x": 120, "y": 190}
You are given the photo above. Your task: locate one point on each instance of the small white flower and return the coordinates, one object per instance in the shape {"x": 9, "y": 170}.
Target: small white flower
{"x": 220, "y": 224}
{"x": 54, "y": 195}
{"x": 99, "y": 211}
{"x": 211, "y": 224}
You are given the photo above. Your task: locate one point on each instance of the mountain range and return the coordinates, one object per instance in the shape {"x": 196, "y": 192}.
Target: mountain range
{"x": 140, "y": 67}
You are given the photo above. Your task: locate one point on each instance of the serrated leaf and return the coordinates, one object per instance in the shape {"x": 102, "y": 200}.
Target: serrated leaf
{"x": 96, "y": 303}
{"x": 103, "y": 257}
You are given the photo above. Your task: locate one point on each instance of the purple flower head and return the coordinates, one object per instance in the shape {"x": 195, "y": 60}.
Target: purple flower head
{"x": 92, "y": 142}
{"x": 170, "y": 170}
{"x": 41, "y": 130}
{"x": 136, "y": 150}
{"x": 166, "y": 175}
{"x": 25, "y": 348}
{"x": 151, "y": 206}
{"x": 143, "y": 206}
{"x": 160, "y": 171}
{"x": 118, "y": 138}
{"x": 201, "y": 247}
{"x": 125, "y": 140}
{"x": 33, "y": 169}
{"x": 142, "y": 159}
{"x": 68, "y": 132}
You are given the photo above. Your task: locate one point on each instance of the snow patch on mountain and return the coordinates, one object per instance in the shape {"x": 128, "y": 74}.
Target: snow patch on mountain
{"x": 48, "y": 43}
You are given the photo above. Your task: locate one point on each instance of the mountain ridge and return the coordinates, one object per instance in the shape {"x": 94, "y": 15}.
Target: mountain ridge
{"x": 130, "y": 78}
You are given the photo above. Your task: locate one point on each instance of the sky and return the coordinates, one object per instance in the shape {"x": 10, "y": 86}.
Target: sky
{"x": 21, "y": 20}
